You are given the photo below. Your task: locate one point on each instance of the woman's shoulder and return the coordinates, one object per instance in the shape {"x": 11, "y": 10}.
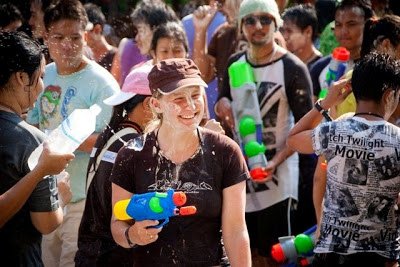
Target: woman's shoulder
{"x": 217, "y": 139}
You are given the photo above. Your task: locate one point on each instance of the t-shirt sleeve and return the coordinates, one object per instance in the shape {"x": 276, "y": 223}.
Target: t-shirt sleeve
{"x": 320, "y": 138}
{"x": 44, "y": 197}
{"x": 235, "y": 169}
{"x": 298, "y": 88}
{"x": 123, "y": 170}
{"x": 106, "y": 110}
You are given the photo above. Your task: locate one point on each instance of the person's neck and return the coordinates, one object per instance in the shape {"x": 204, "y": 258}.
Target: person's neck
{"x": 355, "y": 53}
{"x": 67, "y": 70}
{"x": 261, "y": 54}
{"x": 370, "y": 110}
{"x": 9, "y": 103}
{"x": 100, "y": 49}
{"x": 307, "y": 54}
{"x": 177, "y": 145}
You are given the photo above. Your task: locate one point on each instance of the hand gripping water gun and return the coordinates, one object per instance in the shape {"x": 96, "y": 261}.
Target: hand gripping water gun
{"x": 153, "y": 206}
{"x": 298, "y": 249}
{"x": 337, "y": 67}
{"x": 248, "y": 123}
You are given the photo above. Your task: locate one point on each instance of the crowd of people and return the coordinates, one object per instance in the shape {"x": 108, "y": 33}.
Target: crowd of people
{"x": 168, "y": 120}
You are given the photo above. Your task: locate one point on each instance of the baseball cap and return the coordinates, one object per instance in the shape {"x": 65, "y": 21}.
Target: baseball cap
{"x": 172, "y": 74}
{"x": 248, "y": 7}
{"x": 136, "y": 83}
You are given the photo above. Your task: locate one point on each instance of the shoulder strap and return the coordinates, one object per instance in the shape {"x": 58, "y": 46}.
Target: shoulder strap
{"x": 115, "y": 137}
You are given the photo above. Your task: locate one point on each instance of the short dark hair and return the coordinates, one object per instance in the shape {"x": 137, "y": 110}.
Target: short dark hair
{"x": 8, "y": 14}
{"x": 364, "y": 5}
{"x": 172, "y": 30}
{"x": 153, "y": 13}
{"x": 18, "y": 52}
{"x": 95, "y": 15}
{"x": 65, "y": 9}
{"x": 44, "y": 4}
{"x": 303, "y": 16}
{"x": 376, "y": 30}
{"x": 373, "y": 75}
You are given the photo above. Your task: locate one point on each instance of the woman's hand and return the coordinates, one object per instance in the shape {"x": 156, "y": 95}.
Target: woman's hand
{"x": 337, "y": 93}
{"x": 52, "y": 163}
{"x": 144, "y": 232}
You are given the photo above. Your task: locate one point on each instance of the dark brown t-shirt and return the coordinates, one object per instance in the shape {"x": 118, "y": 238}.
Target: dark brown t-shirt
{"x": 193, "y": 240}
{"x": 224, "y": 43}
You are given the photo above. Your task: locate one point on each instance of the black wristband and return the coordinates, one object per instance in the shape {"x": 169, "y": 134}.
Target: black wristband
{"x": 127, "y": 237}
{"x": 323, "y": 111}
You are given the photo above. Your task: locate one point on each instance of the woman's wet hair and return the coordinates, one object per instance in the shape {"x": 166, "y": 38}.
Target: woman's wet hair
{"x": 18, "y": 53}
{"x": 373, "y": 74}
{"x": 173, "y": 30}
{"x": 376, "y": 30}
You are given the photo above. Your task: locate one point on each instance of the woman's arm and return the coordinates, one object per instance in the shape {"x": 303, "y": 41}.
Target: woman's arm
{"x": 319, "y": 189}
{"x": 13, "y": 199}
{"x": 234, "y": 230}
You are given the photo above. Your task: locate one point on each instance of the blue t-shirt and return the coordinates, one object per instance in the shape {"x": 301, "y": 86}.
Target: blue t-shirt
{"x": 65, "y": 93}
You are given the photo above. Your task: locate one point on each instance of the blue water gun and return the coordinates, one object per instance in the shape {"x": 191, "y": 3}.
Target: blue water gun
{"x": 153, "y": 206}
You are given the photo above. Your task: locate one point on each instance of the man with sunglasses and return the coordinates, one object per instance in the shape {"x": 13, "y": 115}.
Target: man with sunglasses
{"x": 284, "y": 95}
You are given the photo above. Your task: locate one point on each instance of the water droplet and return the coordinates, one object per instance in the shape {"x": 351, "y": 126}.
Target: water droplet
{"x": 137, "y": 143}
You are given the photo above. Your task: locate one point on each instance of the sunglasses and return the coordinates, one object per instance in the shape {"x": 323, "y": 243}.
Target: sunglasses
{"x": 252, "y": 20}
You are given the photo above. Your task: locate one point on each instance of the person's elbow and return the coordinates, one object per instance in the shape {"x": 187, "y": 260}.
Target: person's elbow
{"x": 47, "y": 222}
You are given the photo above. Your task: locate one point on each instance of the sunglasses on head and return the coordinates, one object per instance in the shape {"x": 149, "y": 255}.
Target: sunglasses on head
{"x": 252, "y": 20}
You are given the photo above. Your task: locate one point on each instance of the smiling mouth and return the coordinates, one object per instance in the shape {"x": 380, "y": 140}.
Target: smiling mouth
{"x": 187, "y": 116}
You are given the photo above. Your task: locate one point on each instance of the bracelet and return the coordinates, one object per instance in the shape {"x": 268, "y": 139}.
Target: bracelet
{"x": 321, "y": 110}
{"x": 127, "y": 237}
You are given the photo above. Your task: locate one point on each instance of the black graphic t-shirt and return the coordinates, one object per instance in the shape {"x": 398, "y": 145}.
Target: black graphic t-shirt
{"x": 363, "y": 181}
{"x": 193, "y": 240}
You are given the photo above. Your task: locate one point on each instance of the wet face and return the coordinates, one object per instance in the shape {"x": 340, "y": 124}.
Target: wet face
{"x": 36, "y": 21}
{"x": 183, "y": 108}
{"x": 349, "y": 27}
{"x": 169, "y": 48}
{"x": 65, "y": 40}
{"x": 258, "y": 28}
{"x": 295, "y": 38}
{"x": 143, "y": 38}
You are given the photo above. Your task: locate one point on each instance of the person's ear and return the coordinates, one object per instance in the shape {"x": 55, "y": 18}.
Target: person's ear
{"x": 97, "y": 29}
{"x": 154, "y": 104}
{"x": 22, "y": 78}
{"x": 308, "y": 32}
{"x": 153, "y": 54}
{"x": 389, "y": 102}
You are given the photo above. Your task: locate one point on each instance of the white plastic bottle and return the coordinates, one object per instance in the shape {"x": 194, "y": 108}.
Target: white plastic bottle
{"x": 70, "y": 134}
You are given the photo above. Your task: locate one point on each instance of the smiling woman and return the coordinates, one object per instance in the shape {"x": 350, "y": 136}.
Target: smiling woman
{"x": 178, "y": 154}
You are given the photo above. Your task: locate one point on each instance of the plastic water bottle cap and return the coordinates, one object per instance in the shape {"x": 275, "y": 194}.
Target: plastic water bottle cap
{"x": 95, "y": 109}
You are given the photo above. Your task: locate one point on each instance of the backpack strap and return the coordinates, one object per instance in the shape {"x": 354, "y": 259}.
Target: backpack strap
{"x": 114, "y": 138}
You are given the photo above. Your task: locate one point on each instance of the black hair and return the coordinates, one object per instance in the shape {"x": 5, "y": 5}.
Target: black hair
{"x": 373, "y": 74}
{"x": 153, "y": 13}
{"x": 18, "y": 53}
{"x": 8, "y": 14}
{"x": 95, "y": 15}
{"x": 376, "y": 30}
{"x": 364, "y": 5}
{"x": 302, "y": 16}
{"x": 172, "y": 30}
{"x": 117, "y": 118}
{"x": 44, "y": 4}
{"x": 65, "y": 9}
